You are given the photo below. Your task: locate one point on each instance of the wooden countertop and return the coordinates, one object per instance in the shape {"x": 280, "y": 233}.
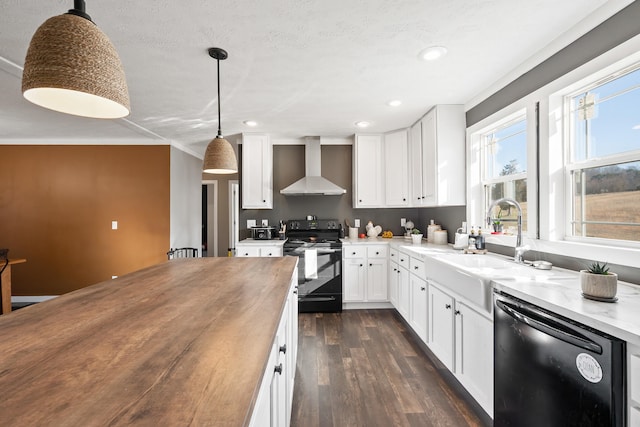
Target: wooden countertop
{"x": 180, "y": 343}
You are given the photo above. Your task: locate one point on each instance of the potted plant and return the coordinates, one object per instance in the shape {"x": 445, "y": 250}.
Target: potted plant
{"x": 416, "y": 236}
{"x": 497, "y": 223}
{"x": 598, "y": 282}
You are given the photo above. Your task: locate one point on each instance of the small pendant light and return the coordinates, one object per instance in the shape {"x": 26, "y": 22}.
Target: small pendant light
{"x": 219, "y": 157}
{"x": 72, "y": 67}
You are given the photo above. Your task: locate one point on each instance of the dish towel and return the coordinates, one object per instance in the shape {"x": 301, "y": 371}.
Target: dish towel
{"x": 310, "y": 263}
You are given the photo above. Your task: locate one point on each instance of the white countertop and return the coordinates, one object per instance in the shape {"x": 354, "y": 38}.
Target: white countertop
{"x": 254, "y": 242}
{"x": 564, "y": 297}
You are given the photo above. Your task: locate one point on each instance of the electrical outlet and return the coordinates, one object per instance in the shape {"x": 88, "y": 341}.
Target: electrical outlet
{"x": 251, "y": 223}
{"x": 403, "y": 222}
{"x": 265, "y": 222}
{"x": 114, "y": 277}
{"x": 356, "y": 223}
{"x": 114, "y": 225}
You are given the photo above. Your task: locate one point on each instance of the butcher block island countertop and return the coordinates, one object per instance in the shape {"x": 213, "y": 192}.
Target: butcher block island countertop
{"x": 181, "y": 343}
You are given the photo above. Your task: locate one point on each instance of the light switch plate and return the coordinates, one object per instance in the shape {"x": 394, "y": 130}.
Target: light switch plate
{"x": 356, "y": 223}
{"x": 403, "y": 222}
{"x": 114, "y": 225}
{"x": 251, "y": 223}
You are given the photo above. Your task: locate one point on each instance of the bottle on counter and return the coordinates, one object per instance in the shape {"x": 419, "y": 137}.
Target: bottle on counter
{"x": 479, "y": 239}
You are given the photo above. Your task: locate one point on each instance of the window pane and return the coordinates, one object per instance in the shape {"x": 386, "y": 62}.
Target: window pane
{"x": 606, "y": 202}
{"x": 606, "y": 119}
{"x": 505, "y": 150}
{"x": 506, "y": 213}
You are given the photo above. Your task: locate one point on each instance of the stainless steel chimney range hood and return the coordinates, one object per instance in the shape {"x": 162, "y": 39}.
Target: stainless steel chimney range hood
{"x": 313, "y": 184}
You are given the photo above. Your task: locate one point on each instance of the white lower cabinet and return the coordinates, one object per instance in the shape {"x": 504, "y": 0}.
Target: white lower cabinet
{"x": 404, "y": 290}
{"x": 275, "y": 397}
{"x": 418, "y": 311}
{"x": 393, "y": 277}
{"x": 364, "y": 273}
{"x": 253, "y": 250}
{"x": 462, "y": 338}
{"x": 474, "y": 354}
{"x": 441, "y": 327}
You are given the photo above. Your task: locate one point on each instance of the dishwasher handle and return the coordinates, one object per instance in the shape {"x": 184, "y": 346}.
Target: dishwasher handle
{"x": 548, "y": 326}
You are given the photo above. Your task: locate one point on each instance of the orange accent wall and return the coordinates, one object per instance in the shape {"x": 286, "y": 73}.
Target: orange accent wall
{"x": 56, "y": 207}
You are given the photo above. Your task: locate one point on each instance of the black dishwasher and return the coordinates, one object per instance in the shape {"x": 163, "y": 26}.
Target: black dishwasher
{"x": 551, "y": 371}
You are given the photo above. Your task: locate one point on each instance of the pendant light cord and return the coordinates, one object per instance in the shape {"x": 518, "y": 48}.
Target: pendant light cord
{"x": 79, "y": 9}
{"x": 219, "y": 124}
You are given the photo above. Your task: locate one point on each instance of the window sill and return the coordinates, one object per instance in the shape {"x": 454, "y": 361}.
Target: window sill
{"x": 629, "y": 257}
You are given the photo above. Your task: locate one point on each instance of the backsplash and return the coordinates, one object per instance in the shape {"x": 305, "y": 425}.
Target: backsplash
{"x": 288, "y": 166}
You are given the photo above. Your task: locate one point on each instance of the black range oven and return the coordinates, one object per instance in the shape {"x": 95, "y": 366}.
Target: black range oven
{"x": 317, "y": 244}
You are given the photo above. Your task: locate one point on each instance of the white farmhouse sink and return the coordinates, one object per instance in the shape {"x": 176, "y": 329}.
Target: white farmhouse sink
{"x": 470, "y": 275}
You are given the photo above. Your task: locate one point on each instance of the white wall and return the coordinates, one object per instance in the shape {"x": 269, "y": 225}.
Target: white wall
{"x": 186, "y": 200}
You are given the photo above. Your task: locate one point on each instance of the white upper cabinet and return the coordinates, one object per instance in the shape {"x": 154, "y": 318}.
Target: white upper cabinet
{"x": 443, "y": 156}
{"x": 421, "y": 166}
{"x": 396, "y": 163}
{"x": 257, "y": 172}
{"x": 415, "y": 153}
{"x": 368, "y": 184}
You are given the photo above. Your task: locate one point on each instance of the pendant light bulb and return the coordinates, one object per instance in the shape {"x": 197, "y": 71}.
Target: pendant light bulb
{"x": 72, "y": 67}
{"x": 219, "y": 158}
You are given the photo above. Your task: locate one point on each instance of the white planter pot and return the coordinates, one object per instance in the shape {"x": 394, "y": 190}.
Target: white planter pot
{"x": 416, "y": 239}
{"x": 599, "y": 285}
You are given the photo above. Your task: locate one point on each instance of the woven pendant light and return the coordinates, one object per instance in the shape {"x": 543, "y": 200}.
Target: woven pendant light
{"x": 219, "y": 157}
{"x": 72, "y": 67}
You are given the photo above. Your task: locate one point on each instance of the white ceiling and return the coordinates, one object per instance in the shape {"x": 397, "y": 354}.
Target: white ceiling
{"x": 297, "y": 67}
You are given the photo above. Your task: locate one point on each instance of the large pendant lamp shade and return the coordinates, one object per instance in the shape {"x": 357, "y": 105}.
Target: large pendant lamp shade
{"x": 72, "y": 67}
{"x": 219, "y": 157}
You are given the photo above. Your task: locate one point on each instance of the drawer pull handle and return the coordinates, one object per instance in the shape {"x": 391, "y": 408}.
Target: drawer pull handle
{"x": 415, "y": 268}
{"x": 422, "y": 288}
{"x": 283, "y": 349}
{"x": 370, "y": 265}
{"x": 448, "y": 306}
{"x": 457, "y": 312}
{"x": 377, "y": 253}
{"x": 278, "y": 369}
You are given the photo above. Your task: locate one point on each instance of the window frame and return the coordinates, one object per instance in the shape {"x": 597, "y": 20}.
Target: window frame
{"x": 551, "y": 176}
{"x": 571, "y": 165}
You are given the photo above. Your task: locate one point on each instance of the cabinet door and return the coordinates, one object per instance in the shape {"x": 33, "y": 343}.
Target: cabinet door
{"x": 415, "y": 137}
{"x": 474, "y": 354}
{"x": 441, "y": 326}
{"x": 377, "y": 280}
{"x": 429, "y": 159}
{"x": 450, "y": 130}
{"x": 257, "y": 172}
{"x": 418, "y": 306}
{"x": 396, "y": 164}
{"x": 394, "y": 272}
{"x": 368, "y": 171}
{"x": 247, "y": 251}
{"x": 404, "y": 293}
{"x": 353, "y": 276}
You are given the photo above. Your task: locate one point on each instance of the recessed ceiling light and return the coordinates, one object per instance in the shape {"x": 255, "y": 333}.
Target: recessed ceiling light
{"x": 251, "y": 123}
{"x": 432, "y": 53}
{"x": 362, "y": 124}
{"x": 394, "y": 103}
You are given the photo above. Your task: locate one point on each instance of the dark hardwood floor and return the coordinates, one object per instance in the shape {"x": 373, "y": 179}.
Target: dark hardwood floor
{"x": 363, "y": 368}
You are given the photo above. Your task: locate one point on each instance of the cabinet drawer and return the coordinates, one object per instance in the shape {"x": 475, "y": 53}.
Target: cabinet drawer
{"x": 393, "y": 255}
{"x": 416, "y": 266}
{"x": 403, "y": 259}
{"x": 270, "y": 251}
{"x": 247, "y": 251}
{"x": 378, "y": 251}
{"x": 354, "y": 251}
{"x": 634, "y": 375}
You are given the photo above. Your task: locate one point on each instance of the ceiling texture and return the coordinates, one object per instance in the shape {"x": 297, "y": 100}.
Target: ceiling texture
{"x": 297, "y": 67}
